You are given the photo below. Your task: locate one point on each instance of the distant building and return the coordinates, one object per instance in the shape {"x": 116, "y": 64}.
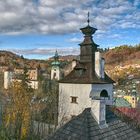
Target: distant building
{"x": 121, "y": 102}
{"x": 7, "y": 79}
{"x": 56, "y": 72}
{"x": 15, "y": 75}
{"x": 3, "y": 68}
{"x": 32, "y": 73}
{"x": 133, "y": 97}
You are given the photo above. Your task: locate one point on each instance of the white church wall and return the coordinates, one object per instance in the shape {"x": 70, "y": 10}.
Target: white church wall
{"x": 66, "y": 92}
{"x": 108, "y": 87}
{"x": 55, "y": 73}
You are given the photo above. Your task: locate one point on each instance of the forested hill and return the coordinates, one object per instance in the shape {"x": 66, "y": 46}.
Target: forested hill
{"x": 123, "y": 55}
{"x": 123, "y": 62}
{"x": 13, "y": 60}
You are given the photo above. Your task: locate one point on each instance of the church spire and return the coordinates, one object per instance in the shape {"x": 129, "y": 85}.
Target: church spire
{"x": 56, "y": 56}
{"x": 56, "y": 59}
{"x": 88, "y": 47}
{"x": 88, "y": 21}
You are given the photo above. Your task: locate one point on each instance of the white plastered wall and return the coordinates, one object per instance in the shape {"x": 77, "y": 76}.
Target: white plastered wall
{"x": 56, "y": 72}
{"x": 108, "y": 87}
{"x": 68, "y": 109}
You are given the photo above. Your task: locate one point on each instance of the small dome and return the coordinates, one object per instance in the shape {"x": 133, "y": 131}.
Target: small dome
{"x": 55, "y": 63}
{"x": 88, "y": 30}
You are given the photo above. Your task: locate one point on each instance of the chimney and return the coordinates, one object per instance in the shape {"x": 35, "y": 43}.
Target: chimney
{"x": 74, "y": 61}
{"x": 98, "y": 108}
{"x": 102, "y": 68}
{"x": 99, "y": 65}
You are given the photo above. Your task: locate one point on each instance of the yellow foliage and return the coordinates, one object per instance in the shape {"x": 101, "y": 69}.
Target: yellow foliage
{"x": 18, "y": 110}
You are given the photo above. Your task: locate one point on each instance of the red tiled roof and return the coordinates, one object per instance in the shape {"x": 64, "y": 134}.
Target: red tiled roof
{"x": 132, "y": 113}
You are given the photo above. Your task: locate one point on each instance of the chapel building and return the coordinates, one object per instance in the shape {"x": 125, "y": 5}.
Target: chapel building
{"x": 85, "y": 100}
{"x": 87, "y": 85}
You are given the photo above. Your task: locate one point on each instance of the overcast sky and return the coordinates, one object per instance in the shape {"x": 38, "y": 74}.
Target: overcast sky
{"x": 36, "y": 28}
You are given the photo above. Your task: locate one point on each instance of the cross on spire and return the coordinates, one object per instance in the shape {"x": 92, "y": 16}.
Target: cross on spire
{"x": 88, "y": 19}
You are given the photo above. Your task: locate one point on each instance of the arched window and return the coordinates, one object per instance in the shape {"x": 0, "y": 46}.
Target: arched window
{"x": 54, "y": 76}
{"x": 104, "y": 94}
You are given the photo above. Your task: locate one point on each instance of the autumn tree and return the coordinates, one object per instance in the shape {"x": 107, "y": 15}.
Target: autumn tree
{"x": 47, "y": 98}
{"x": 17, "y": 115}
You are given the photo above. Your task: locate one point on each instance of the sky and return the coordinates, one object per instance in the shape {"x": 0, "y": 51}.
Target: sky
{"x": 37, "y": 28}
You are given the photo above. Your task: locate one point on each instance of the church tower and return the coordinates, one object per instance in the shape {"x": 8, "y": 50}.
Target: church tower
{"x": 87, "y": 86}
{"x": 55, "y": 71}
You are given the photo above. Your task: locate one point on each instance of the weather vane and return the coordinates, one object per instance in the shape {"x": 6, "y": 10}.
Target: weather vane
{"x": 88, "y": 19}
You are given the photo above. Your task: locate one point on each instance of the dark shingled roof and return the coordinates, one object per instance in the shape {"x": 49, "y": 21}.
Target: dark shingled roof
{"x": 85, "y": 127}
{"x": 83, "y": 74}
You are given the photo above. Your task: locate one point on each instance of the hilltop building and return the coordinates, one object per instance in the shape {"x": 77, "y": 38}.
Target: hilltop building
{"x": 7, "y": 78}
{"x": 85, "y": 97}
{"x": 133, "y": 97}
{"x": 121, "y": 102}
{"x": 56, "y": 70}
{"x": 15, "y": 75}
{"x": 129, "y": 98}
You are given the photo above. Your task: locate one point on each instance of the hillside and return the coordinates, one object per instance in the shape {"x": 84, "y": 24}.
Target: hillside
{"x": 123, "y": 55}
{"x": 121, "y": 61}
{"x": 15, "y": 61}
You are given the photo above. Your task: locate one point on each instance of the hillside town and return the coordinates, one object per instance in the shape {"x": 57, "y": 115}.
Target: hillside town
{"x": 74, "y": 99}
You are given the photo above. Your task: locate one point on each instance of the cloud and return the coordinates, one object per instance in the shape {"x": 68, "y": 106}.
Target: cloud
{"x": 46, "y": 51}
{"x": 136, "y": 2}
{"x": 65, "y": 16}
{"x": 75, "y": 40}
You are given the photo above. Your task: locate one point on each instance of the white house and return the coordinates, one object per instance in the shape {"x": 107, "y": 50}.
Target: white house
{"x": 10, "y": 76}
{"x": 87, "y": 85}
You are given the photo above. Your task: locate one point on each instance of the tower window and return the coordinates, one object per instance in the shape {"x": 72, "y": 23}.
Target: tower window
{"x": 74, "y": 99}
{"x": 54, "y": 76}
{"x": 104, "y": 93}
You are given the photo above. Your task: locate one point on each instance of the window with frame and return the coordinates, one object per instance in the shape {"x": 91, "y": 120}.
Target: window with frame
{"x": 74, "y": 99}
